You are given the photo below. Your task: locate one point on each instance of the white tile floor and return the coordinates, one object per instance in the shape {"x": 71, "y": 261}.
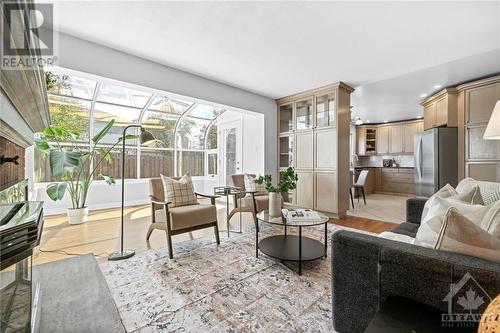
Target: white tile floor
{"x": 388, "y": 208}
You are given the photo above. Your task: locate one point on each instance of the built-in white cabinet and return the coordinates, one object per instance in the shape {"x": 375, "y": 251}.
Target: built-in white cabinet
{"x": 305, "y": 189}
{"x": 304, "y": 150}
{"x": 319, "y": 132}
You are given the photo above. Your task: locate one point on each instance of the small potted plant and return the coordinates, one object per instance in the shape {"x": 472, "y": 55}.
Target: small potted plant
{"x": 73, "y": 166}
{"x": 287, "y": 182}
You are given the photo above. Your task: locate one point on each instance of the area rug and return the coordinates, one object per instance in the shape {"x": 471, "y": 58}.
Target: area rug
{"x": 225, "y": 288}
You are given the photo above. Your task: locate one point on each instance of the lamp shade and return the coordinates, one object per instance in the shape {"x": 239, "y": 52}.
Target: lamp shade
{"x": 493, "y": 130}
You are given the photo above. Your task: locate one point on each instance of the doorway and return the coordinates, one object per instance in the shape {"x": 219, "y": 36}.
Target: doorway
{"x": 230, "y": 150}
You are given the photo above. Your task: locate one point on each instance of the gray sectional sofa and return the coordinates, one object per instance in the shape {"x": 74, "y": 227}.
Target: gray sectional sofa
{"x": 367, "y": 269}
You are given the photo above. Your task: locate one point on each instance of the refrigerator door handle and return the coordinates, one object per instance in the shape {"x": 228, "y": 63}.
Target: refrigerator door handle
{"x": 419, "y": 159}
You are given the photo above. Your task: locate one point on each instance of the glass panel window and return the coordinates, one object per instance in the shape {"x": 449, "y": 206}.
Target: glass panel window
{"x": 191, "y": 133}
{"x": 123, "y": 116}
{"x": 161, "y": 125}
{"x": 123, "y": 96}
{"x": 212, "y": 162}
{"x": 286, "y": 151}
{"x": 163, "y": 104}
{"x": 303, "y": 114}
{"x": 190, "y": 161}
{"x": 70, "y": 113}
{"x": 325, "y": 110}
{"x": 156, "y": 162}
{"x": 212, "y": 137}
{"x": 67, "y": 85}
{"x": 205, "y": 112}
{"x": 114, "y": 169}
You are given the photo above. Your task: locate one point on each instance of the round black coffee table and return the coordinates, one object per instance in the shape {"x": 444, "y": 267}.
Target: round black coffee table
{"x": 291, "y": 247}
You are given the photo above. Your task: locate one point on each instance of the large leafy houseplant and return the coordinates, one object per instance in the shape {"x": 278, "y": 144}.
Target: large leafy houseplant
{"x": 73, "y": 166}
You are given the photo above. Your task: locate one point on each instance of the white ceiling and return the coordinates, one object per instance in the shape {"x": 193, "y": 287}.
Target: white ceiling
{"x": 391, "y": 52}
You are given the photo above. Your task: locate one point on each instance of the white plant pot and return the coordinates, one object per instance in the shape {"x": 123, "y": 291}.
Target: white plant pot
{"x": 77, "y": 215}
{"x": 274, "y": 204}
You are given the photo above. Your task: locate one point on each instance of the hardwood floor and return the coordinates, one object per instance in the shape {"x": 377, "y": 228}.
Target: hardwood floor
{"x": 100, "y": 235}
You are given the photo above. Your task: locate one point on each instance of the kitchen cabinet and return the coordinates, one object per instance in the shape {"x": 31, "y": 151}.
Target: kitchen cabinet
{"x": 399, "y": 181}
{"x": 305, "y": 189}
{"x": 383, "y": 139}
{"x": 304, "y": 150}
{"x": 441, "y": 109}
{"x": 326, "y": 197}
{"x": 410, "y": 130}
{"x": 366, "y": 140}
{"x": 396, "y": 139}
{"x": 477, "y": 157}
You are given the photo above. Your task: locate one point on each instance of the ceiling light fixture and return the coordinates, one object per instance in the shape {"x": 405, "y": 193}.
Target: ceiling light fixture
{"x": 437, "y": 86}
{"x": 385, "y": 121}
{"x": 418, "y": 117}
{"x": 423, "y": 95}
{"x": 358, "y": 121}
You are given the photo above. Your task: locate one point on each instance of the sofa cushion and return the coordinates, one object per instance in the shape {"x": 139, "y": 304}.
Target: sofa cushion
{"x": 188, "y": 216}
{"x": 179, "y": 192}
{"x": 490, "y": 191}
{"x": 397, "y": 237}
{"x": 456, "y": 233}
{"x": 408, "y": 229}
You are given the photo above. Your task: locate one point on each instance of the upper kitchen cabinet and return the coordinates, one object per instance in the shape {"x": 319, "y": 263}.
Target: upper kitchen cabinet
{"x": 383, "y": 139}
{"x": 441, "y": 109}
{"x": 478, "y": 158}
{"x": 325, "y": 110}
{"x": 367, "y": 140}
{"x": 410, "y": 130}
{"x": 396, "y": 143}
{"x": 304, "y": 114}
{"x": 285, "y": 114}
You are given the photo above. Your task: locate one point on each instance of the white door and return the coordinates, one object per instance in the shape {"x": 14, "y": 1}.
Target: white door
{"x": 230, "y": 150}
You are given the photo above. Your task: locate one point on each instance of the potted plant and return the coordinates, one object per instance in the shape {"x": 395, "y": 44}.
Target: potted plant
{"x": 287, "y": 182}
{"x": 73, "y": 166}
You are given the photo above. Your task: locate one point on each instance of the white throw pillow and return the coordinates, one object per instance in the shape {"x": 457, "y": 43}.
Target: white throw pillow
{"x": 179, "y": 192}
{"x": 491, "y": 220}
{"x": 251, "y": 185}
{"x": 474, "y": 213}
{"x": 456, "y": 233}
{"x": 490, "y": 191}
{"x": 472, "y": 196}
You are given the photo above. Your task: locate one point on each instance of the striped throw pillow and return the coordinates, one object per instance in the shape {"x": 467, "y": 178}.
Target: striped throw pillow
{"x": 179, "y": 192}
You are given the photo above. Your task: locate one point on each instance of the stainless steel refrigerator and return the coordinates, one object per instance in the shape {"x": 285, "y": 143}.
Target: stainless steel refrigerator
{"x": 436, "y": 160}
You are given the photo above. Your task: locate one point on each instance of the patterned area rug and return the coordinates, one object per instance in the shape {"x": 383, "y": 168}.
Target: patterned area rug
{"x": 225, "y": 288}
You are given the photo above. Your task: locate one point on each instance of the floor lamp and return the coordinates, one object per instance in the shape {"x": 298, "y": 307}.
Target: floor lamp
{"x": 145, "y": 138}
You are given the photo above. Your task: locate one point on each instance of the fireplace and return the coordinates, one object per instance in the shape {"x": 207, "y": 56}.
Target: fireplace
{"x": 20, "y": 230}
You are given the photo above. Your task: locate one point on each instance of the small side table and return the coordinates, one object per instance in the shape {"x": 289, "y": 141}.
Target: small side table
{"x": 228, "y": 191}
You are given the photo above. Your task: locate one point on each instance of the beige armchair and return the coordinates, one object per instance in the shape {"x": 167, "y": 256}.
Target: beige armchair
{"x": 250, "y": 201}
{"x": 182, "y": 219}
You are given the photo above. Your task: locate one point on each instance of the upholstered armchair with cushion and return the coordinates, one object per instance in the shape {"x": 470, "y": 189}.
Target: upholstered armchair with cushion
{"x": 251, "y": 201}
{"x": 181, "y": 219}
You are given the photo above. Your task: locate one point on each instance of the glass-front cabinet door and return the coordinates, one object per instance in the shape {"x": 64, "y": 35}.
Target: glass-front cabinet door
{"x": 303, "y": 114}
{"x": 325, "y": 110}
{"x": 286, "y": 118}
{"x": 286, "y": 151}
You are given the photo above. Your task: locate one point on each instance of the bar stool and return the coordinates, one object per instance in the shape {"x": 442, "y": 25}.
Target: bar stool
{"x": 360, "y": 184}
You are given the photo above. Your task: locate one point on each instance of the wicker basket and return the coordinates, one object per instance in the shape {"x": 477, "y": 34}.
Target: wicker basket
{"x": 490, "y": 321}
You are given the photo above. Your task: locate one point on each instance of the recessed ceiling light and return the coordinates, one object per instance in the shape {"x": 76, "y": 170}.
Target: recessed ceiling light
{"x": 437, "y": 86}
{"x": 367, "y": 121}
{"x": 423, "y": 95}
{"x": 418, "y": 117}
{"x": 385, "y": 121}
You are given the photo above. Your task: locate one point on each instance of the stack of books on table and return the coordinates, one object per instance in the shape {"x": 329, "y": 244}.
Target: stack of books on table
{"x": 300, "y": 215}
